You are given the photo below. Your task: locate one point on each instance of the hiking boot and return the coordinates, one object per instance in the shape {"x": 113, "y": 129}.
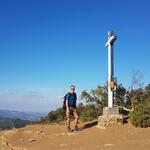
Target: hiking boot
{"x": 69, "y": 129}
{"x": 76, "y": 128}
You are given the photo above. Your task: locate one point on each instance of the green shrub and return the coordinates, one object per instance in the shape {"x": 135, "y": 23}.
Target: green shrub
{"x": 140, "y": 117}
{"x": 89, "y": 113}
{"x": 56, "y": 116}
{"x": 86, "y": 113}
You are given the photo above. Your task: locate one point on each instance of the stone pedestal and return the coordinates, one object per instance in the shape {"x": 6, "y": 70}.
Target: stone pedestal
{"x": 109, "y": 118}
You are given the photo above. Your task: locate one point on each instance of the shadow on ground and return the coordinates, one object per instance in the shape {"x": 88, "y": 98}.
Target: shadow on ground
{"x": 88, "y": 125}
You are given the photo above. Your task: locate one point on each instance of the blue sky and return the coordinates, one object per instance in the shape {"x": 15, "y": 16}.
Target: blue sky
{"x": 46, "y": 45}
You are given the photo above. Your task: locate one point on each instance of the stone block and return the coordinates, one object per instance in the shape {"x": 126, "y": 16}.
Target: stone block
{"x": 109, "y": 118}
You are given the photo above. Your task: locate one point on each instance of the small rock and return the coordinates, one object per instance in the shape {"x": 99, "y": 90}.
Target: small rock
{"x": 62, "y": 145}
{"x": 27, "y": 131}
{"x": 21, "y": 139}
{"x": 107, "y": 145}
{"x": 39, "y": 132}
{"x": 72, "y": 133}
{"x": 32, "y": 140}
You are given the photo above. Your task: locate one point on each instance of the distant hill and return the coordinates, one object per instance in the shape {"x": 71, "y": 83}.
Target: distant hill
{"x": 8, "y": 123}
{"x": 20, "y": 115}
{"x": 15, "y": 119}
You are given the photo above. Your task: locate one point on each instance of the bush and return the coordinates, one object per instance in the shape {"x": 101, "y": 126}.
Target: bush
{"x": 86, "y": 113}
{"x": 56, "y": 116}
{"x": 140, "y": 117}
{"x": 89, "y": 113}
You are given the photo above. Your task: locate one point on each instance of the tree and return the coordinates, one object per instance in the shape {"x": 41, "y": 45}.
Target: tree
{"x": 120, "y": 98}
{"x": 140, "y": 117}
{"x": 136, "y": 80}
{"x": 97, "y": 96}
{"x": 147, "y": 90}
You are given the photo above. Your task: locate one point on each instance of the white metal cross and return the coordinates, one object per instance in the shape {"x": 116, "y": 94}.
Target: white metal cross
{"x": 109, "y": 44}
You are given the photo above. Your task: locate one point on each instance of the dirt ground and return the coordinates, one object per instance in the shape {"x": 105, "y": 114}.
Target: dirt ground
{"x": 55, "y": 137}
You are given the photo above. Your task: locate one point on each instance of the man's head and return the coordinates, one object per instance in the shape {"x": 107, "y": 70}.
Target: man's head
{"x": 72, "y": 89}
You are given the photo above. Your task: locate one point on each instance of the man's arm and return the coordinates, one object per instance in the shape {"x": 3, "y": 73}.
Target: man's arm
{"x": 67, "y": 104}
{"x": 76, "y": 99}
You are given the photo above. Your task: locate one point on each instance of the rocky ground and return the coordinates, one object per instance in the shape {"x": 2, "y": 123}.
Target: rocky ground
{"x": 55, "y": 137}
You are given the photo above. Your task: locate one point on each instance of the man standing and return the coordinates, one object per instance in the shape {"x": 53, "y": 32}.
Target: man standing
{"x": 71, "y": 99}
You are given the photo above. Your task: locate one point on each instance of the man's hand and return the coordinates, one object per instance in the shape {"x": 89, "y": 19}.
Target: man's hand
{"x": 68, "y": 110}
{"x": 67, "y": 107}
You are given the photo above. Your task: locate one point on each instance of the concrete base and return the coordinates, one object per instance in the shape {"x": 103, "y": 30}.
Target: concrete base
{"x": 109, "y": 118}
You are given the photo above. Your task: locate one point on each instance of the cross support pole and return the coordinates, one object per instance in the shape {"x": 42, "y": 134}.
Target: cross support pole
{"x": 109, "y": 45}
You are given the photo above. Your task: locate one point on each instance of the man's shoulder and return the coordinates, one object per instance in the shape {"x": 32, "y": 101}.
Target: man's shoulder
{"x": 71, "y": 93}
{"x": 75, "y": 95}
{"x": 68, "y": 95}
